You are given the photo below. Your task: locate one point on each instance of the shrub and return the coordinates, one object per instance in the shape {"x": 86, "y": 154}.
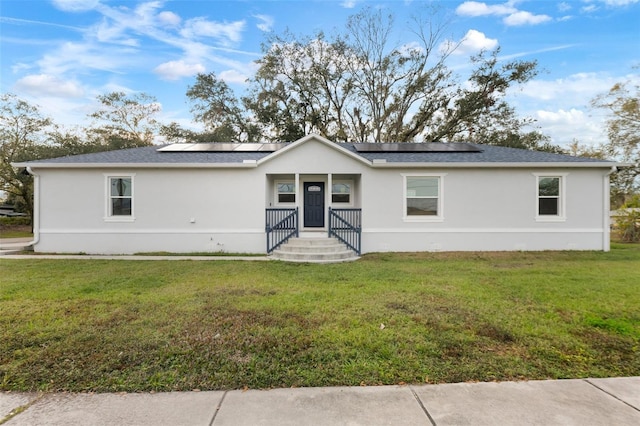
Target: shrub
{"x": 15, "y": 221}
{"x": 628, "y": 221}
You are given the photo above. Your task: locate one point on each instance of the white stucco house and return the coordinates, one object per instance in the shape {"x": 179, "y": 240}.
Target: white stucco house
{"x": 248, "y": 198}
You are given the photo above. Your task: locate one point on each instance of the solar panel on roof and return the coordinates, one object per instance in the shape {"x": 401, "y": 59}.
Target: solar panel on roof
{"x": 173, "y": 147}
{"x": 207, "y": 147}
{"x": 259, "y": 147}
{"x": 416, "y": 147}
{"x": 222, "y": 147}
{"x": 246, "y": 147}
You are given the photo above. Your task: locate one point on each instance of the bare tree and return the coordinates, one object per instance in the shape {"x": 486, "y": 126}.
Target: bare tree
{"x": 622, "y": 102}
{"x": 124, "y": 121}
{"x": 360, "y": 86}
{"x": 22, "y": 130}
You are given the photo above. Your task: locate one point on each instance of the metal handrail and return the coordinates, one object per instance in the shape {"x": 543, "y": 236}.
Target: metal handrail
{"x": 346, "y": 226}
{"x": 281, "y": 224}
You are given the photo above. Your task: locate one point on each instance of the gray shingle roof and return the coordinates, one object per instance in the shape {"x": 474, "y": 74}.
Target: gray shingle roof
{"x": 151, "y": 155}
{"x": 486, "y": 154}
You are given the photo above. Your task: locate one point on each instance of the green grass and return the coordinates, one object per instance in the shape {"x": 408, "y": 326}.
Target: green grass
{"x": 200, "y": 253}
{"x": 80, "y": 325}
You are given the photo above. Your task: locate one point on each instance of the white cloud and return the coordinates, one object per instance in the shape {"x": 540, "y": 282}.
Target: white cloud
{"x": 223, "y": 32}
{"x": 75, "y": 5}
{"x": 619, "y": 2}
{"x": 571, "y": 117}
{"x": 535, "y": 52}
{"x": 233, "y": 76}
{"x": 473, "y": 42}
{"x": 577, "y": 88}
{"x": 18, "y": 21}
{"x": 562, "y": 106}
{"x": 109, "y": 87}
{"x": 175, "y": 70}
{"x": 169, "y": 18}
{"x": 19, "y": 67}
{"x": 348, "y": 4}
{"x": 266, "y": 22}
{"x": 71, "y": 57}
{"x": 67, "y": 112}
{"x": 564, "y": 7}
{"x": 525, "y": 18}
{"x": 113, "y": 43}
{"x": 119, "y": 23}
{"x": 512, "y": 16}
{"x": 565, "y": 126}
{"x": 48, "y": 85}
{"x": 474, "y": 8}
{"x": 107, "y": 33}
{"x": 593, "y": 5}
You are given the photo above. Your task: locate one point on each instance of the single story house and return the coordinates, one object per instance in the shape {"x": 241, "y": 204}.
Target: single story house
{"x": 249, "y": 198}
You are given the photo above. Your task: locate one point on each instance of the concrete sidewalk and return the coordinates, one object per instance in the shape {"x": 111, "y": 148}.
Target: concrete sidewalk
{"x": 613, "y": 401}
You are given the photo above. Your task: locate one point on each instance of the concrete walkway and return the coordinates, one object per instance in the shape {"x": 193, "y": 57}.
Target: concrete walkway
{"x": 577, "y": 402}
{"x": 14, "y": 241}
{"x": 13, "y": 245}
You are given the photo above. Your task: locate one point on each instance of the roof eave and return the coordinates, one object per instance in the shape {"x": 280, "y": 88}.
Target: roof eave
{"x": 35, "y": 165}
{"x": 509, "y": 165}
{"x": 374, "y": 164}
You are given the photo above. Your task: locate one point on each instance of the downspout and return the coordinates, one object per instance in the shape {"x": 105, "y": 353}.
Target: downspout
{"x": 36, "y": 207}
{"x": 606, "y": 243}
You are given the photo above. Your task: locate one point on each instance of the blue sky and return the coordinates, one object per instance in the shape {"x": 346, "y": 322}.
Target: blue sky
{"x": 61, "y": 54}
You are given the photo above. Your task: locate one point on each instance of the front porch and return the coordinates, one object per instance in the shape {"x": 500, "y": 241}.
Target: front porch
{"x": 316, "y": 205}
{"x": 313, "y": 194}
{"x": 344, "y": 229}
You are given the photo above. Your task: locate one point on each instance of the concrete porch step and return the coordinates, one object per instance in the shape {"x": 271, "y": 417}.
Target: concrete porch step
{"x": 314, "y": 250}
{"x": 313, "y": 245}
{"x": 315, "y": 241}
{"x": 344, "y": 256}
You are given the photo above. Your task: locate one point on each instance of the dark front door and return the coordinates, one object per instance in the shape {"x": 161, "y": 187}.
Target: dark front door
{"x": 314, "y": 204}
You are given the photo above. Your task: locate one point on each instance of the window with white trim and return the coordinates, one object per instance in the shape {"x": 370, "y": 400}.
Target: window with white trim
{"x": 120, "y": 197}
{"x": 285, "y": 192}
{"x": 423, "y": 197}
{"x": 550, "y": 197}
{"x": 341, "y": 192}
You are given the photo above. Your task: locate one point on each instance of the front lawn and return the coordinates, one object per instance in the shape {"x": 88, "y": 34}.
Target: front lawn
{"x": 15, "y": 231}
{"x": 81, "y": 325}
